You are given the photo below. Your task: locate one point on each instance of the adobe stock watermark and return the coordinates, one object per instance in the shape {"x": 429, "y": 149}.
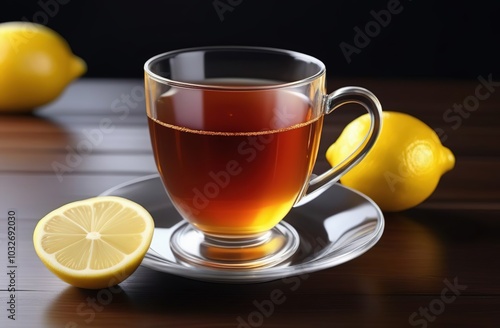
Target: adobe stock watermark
{"x": 455, "y": 116}
{"x": 436, "y": 307}
{"x": 223, "y": 6}
{"x": 75, "y": 154}
{"x": 93, "y": 305}
{"x": 264, "y": 309}
{"x": 246, "y": 152}
{"x": 12, "y": 265}
{"x": 48, "y": 9}
{"x": 372, "y": 29}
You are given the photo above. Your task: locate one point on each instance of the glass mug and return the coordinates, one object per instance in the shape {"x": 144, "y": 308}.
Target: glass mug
{"x": 235, "y": 133}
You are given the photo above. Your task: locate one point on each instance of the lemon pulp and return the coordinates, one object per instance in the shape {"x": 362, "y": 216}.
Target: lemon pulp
{"x": 94, "y": 243}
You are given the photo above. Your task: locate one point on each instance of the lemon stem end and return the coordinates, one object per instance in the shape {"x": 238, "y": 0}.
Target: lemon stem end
{"x": 78, "y": 67}
{"x": 448, "y": 159}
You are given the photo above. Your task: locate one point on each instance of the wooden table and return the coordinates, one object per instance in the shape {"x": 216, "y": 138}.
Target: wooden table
{"x": 436, "y": 265}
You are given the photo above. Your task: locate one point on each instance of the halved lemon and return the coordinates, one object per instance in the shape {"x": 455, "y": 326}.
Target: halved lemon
{"x": 94, "y": 243}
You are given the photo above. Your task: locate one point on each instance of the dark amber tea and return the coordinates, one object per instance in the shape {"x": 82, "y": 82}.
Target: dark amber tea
{"x": 233, "y": 161}
{"x": 235, "y": 133}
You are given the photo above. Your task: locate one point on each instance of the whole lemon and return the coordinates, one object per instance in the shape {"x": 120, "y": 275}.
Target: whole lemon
{"x": 36, "y": 64}
{"x": 404, "y": 166}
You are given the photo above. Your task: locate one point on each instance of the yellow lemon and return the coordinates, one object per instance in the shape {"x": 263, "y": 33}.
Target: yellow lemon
{"x": 36, "y": 64}
{"x": 404, "y": 166}
{"x": 94, "y": 243}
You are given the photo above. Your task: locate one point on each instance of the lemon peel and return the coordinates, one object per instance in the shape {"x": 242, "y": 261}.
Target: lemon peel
{"x": 404, "y": 166}
{"x": 36, "y": 65}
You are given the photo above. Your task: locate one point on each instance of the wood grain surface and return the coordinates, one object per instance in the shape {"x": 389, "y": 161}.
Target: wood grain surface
{"x": 435, "y": 266}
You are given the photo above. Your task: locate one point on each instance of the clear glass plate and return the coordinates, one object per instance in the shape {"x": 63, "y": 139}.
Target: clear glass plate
{"x": 336, "y": 227}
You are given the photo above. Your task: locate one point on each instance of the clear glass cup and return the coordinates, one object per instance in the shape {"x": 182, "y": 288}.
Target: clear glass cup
{"x": 235, "y": 133}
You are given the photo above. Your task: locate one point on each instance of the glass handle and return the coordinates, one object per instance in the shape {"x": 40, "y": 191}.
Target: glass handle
{"x": 343, "y": 96}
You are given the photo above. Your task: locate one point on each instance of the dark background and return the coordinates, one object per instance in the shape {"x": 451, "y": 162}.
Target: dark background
{"x": 436, "y": 39}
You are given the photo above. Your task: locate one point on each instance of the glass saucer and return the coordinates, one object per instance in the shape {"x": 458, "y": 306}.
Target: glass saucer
{"x": 337, "y": 226}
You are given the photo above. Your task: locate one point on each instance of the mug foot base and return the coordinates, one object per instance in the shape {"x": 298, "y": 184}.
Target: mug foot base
{"x": 192, "y": 247}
